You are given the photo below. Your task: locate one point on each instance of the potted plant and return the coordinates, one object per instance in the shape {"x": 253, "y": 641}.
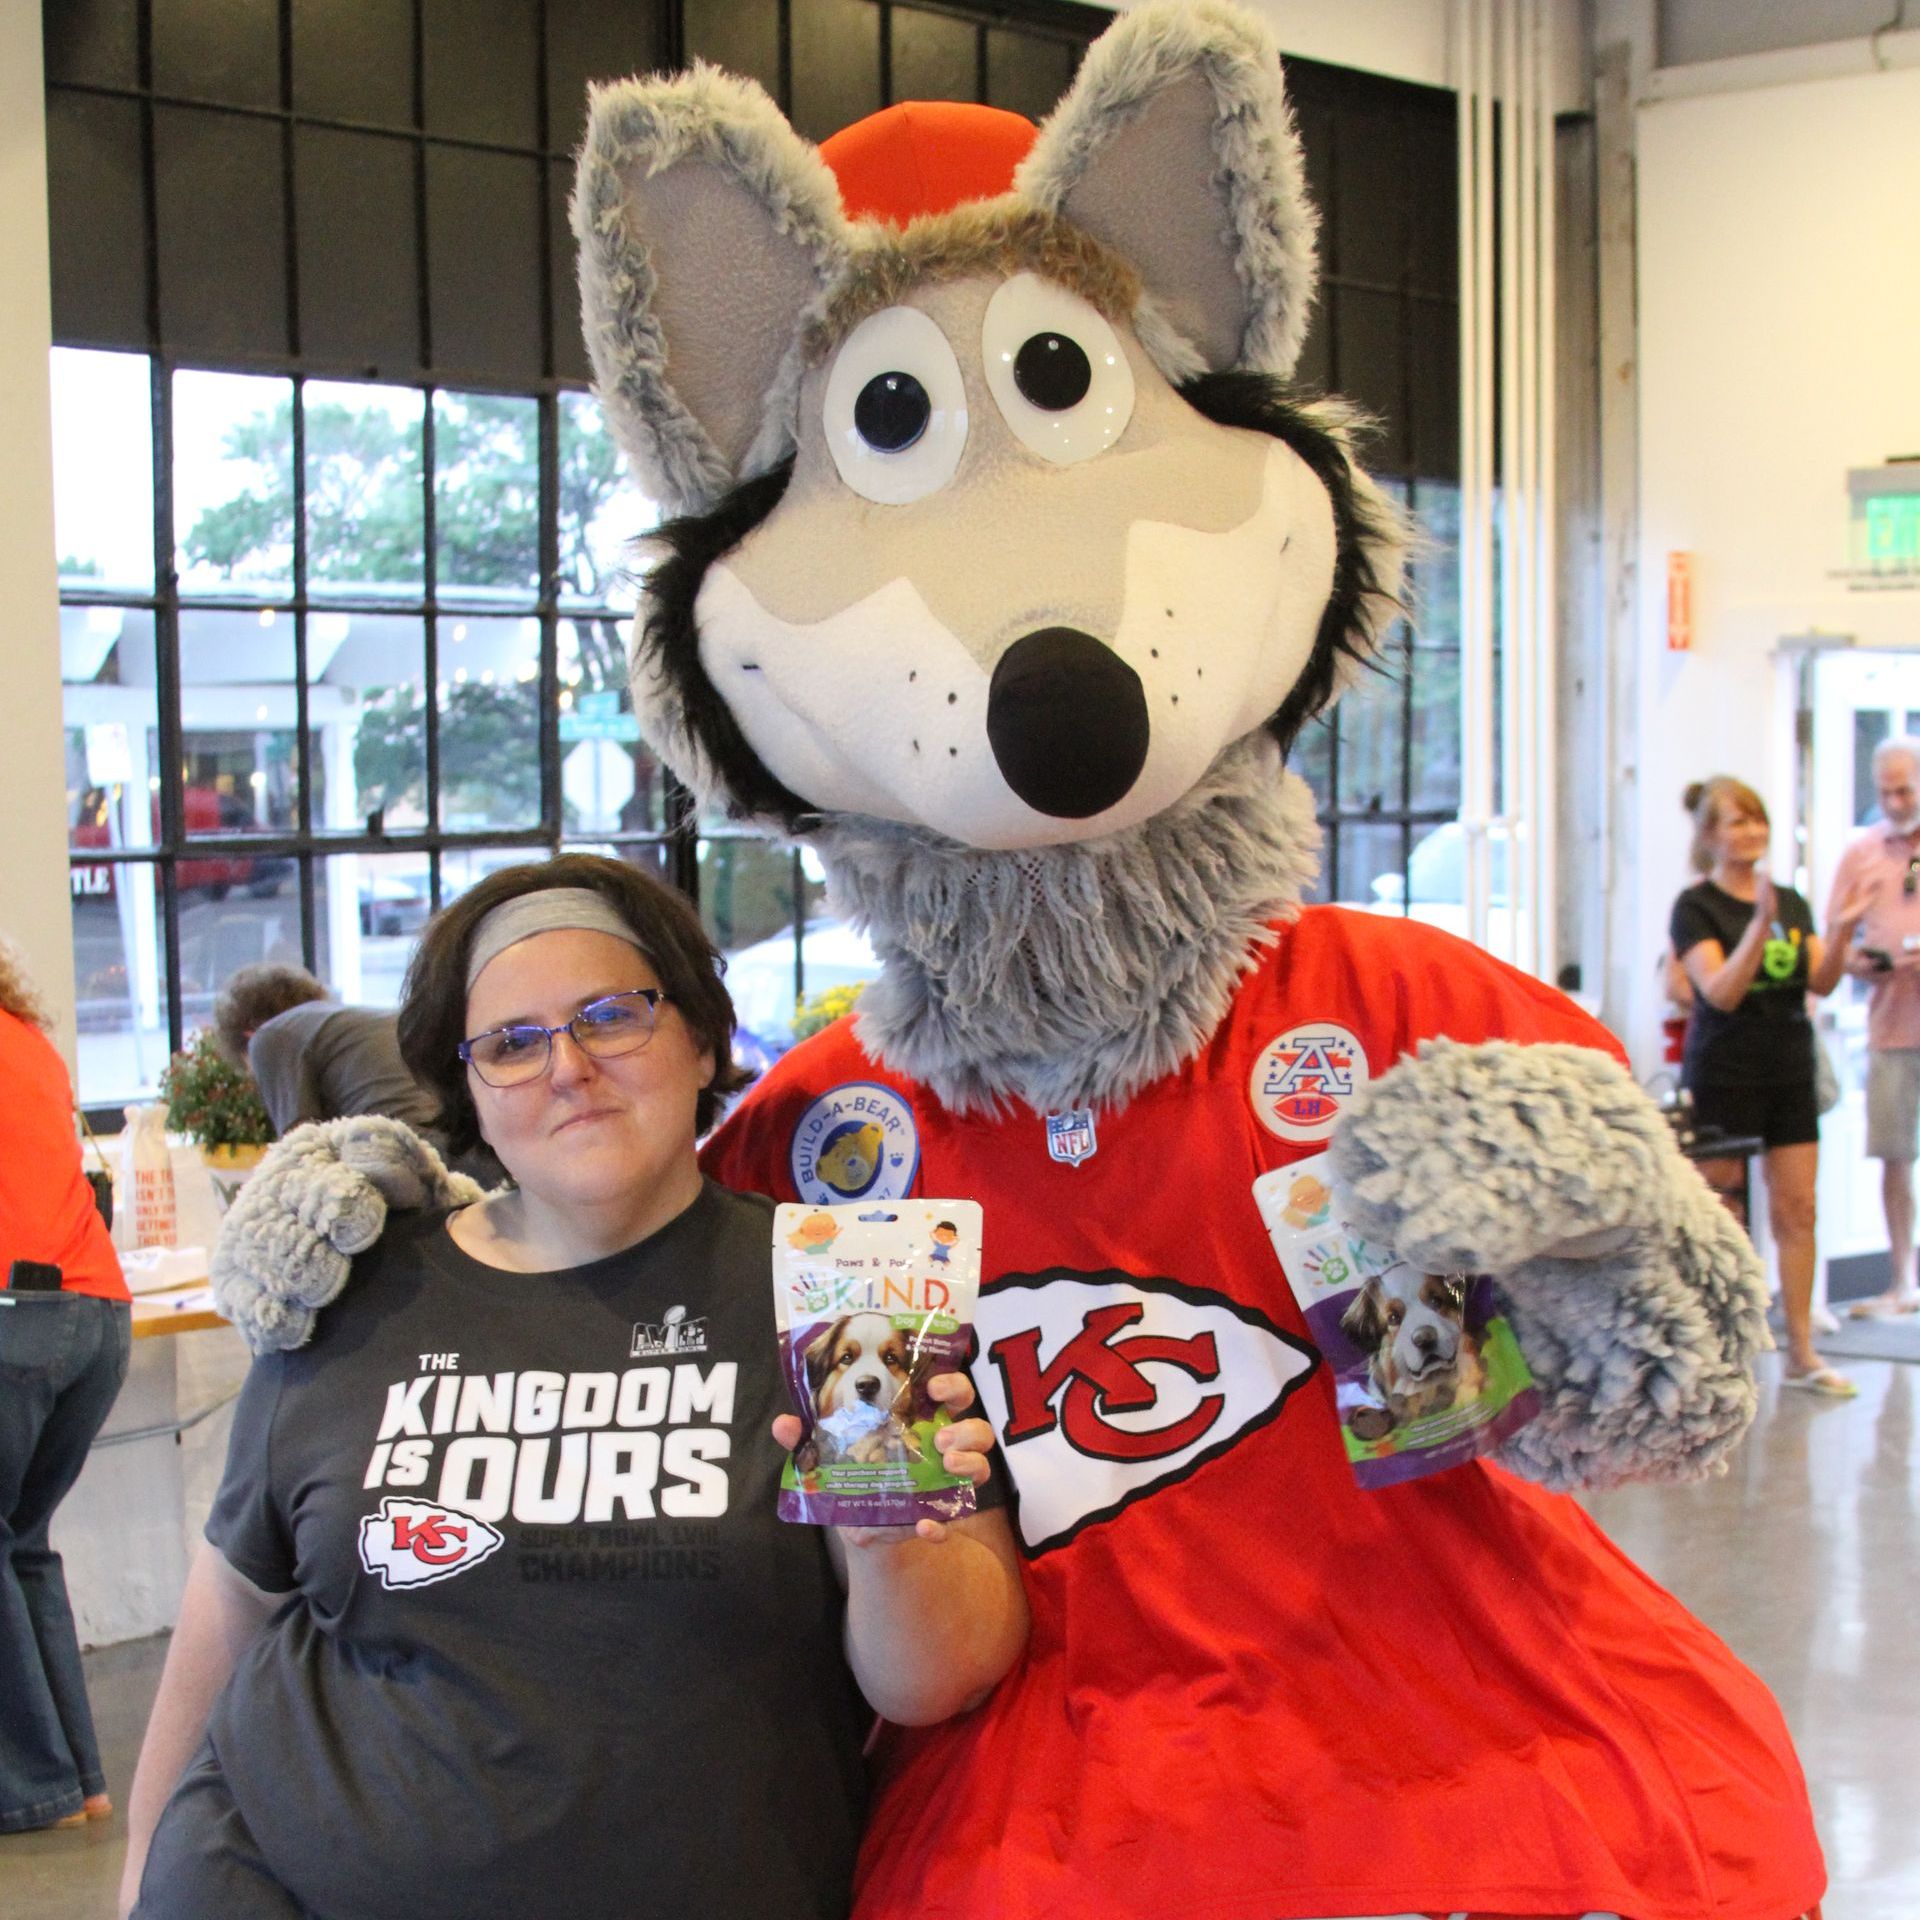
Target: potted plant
{"x": 213, "y": 1101}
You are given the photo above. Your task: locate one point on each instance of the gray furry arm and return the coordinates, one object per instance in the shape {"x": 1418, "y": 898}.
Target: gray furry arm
{"x": 1636, "y": 1298}
{"x": 318, "y": 1198}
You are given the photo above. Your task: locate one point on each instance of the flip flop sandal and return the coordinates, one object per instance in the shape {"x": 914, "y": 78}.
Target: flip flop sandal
{"x": 1881, "y": 1308}
{"x": 1829, "y": 1382}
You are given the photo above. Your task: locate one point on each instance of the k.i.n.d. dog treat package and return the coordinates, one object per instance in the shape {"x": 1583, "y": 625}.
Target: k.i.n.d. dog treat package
{"x": 1425, "y": 1366}
{"x": 872, "y": 1301}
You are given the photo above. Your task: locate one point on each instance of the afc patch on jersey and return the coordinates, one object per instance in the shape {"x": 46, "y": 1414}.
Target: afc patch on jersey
{"x": 1106, "y": 1387}
{"x": 1303, "y": 1079}
{"x": 413, "y": 1543}
{"x": 856, "y": 1142}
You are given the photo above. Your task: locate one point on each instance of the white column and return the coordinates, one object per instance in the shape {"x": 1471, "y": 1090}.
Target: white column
{"x": 37, "y": 911}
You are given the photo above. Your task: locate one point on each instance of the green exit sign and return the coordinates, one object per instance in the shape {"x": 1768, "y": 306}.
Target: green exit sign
{"x": 1893, "y": 531}
{"x": 1885, "y": 523}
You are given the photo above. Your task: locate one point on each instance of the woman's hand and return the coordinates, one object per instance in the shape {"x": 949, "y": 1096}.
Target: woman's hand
{"x": 1851, "y": 911}
{"x": 963, "y": 1448}
{"x": 1763, "y": 899}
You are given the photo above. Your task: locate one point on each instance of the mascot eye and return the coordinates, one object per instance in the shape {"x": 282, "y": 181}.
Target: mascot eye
{"x": 1053, "y": 372}
{"x": 892, "y": 412}
{"x": 896, "y": 410}
{"x": 1056, "y": 369}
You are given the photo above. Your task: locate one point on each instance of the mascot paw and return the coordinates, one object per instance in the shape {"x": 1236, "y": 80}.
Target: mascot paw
{"x": 318, "y": 1198}
{"x": 1636, "y": 1298}
{"x": 1476, "y": 1158}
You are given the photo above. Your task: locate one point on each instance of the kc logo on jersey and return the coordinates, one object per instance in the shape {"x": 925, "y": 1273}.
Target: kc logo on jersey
{"x": 1303, "y": 1079}
{"x": 412, "y": 1543}
{"x": 1105, "y": 1387}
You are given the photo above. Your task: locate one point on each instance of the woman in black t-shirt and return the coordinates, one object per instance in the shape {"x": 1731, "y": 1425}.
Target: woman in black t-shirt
{"x": 1751, "y": 953}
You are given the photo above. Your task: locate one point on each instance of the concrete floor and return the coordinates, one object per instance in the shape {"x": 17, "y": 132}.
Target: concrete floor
{"x": 1805, "y": 1558}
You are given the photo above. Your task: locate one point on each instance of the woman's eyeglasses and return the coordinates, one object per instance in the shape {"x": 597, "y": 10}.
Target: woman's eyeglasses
{"x": 602, "y": 1029}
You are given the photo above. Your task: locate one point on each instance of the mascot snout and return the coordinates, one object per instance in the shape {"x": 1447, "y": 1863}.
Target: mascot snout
{"x": 1067, "y": 721}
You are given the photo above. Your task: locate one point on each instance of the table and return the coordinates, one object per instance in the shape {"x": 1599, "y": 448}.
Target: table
{"x": 128, "y": 1528}
{"x": 1740, "y": 1147}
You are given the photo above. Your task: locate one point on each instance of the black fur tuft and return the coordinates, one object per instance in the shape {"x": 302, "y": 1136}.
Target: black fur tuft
{"x": 672, "y": 640}
{"x": 1263, "y": 403}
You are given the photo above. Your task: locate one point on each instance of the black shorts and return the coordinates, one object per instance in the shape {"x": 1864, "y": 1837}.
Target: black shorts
{"x": 1781, "y": 1116}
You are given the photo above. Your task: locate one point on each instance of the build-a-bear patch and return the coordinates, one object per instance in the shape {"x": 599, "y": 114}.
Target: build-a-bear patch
{"x": 1106, "y": 1387}
{"x": 856, "y": 1142}
{"x": 1303, "y": 1079}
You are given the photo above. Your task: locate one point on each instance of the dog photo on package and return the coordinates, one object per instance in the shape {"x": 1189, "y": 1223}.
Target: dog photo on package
{"x": 1426, "y": 1369}
{"x": 871, "y": 1302}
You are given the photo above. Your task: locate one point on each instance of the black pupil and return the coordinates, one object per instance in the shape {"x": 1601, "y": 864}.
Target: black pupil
{"x": 1053, "y": 372}
{"x": 892, "y": 412}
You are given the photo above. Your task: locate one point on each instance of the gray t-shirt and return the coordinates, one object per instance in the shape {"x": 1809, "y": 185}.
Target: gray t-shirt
{"x": 323, "y": 1061}
{"x": 548, "y": 1649}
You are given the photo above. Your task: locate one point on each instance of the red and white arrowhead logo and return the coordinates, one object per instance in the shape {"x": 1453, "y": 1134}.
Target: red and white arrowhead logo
{"x": 412, "y": 1543}
{"x": 1103, "y": 1387}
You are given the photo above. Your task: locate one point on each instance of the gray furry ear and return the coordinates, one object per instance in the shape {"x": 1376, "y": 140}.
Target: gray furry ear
{"x": 1175, "y": 146}
{"x": 708, "y": 229}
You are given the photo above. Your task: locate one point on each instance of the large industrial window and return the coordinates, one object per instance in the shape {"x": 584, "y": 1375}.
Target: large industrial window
{"x": 343, "y": 541}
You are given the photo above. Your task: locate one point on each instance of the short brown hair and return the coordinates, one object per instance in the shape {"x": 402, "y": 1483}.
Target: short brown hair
{"x": 433, "y": 1005}
{"x": 253, "y": 996}
{"x": 1709, "y": 801}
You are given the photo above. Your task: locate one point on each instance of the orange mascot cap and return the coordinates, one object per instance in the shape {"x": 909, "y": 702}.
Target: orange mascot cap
{"x": 925, "y": 156}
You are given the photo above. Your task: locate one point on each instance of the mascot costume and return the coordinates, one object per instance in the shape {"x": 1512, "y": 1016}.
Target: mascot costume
{"x": 1007, "y": 568}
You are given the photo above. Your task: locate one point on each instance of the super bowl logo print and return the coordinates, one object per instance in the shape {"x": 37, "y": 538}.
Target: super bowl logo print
{"x": 857, "y": 1142}
{"x": 1303, "y": 1079}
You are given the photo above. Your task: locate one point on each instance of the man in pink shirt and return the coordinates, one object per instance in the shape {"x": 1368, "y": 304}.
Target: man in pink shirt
{"x": 1885, "y": 857}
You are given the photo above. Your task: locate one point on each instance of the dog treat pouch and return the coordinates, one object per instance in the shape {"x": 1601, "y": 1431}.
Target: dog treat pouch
{"x": 871, "y": 1302}
{"x": 1426, "y": 1370}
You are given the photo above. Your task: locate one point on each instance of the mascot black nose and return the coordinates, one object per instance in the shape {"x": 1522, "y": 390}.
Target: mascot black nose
{"x": 1067, "y": 721}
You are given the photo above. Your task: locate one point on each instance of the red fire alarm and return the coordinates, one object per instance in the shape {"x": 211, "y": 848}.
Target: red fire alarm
{"x": 1679, "y": 602}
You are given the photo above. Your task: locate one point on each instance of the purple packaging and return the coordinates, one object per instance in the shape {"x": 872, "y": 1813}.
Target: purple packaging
{"x": 1426, "y": 1370}
{"x": 871, "y": 1301}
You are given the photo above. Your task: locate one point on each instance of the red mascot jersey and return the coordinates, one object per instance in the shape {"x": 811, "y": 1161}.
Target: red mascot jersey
{"x": 1255, "y": 1691}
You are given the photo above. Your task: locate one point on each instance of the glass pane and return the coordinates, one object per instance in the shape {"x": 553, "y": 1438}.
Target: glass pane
{"x": 486, "y": 451}
{"x": 119, "y": 983}
{"x": 112, "y": 720}
{"x": 233, "y": 484}
{"x": 369, "y": 910}
{"x": 461, "y": 867}
{"x": 103, "y": 469}
{"x": 239, "y": 743}
{"x": 746, "y": 900}
{"x": 1435, "y": 581}
{"x": 602, "y": 512}
{"x": 366, "y": 504}
{"x": 224, "y": 927}
{"x": 367, "y": 708}
{"x": 1369, "y": 866}
{"x": 1371, "y": 729}
{"x": 489, "y": 697}
{"x": 1436, "y": 729}
{"x": 610, "y": 781}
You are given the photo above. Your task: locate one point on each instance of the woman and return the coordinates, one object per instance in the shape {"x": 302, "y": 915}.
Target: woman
{"x": 1752, "y": 956}
{"x": 64, "y": 1340}
{"x": 496, "y": 1615}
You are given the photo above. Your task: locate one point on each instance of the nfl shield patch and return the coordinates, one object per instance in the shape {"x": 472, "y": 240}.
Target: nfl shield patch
{"x": 1070, "y": 1136}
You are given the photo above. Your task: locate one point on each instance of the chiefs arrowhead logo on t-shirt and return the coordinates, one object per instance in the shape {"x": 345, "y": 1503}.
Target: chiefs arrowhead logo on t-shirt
{"x": 412, "y": 1543}
{"x": 1105, "y": 1387}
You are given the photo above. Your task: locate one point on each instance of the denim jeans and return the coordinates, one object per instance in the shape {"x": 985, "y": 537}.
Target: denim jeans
{"x": 62, "y": 1359}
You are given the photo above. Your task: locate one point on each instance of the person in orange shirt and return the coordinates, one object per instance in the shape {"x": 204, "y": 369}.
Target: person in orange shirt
{"x": 65, "y": 1329}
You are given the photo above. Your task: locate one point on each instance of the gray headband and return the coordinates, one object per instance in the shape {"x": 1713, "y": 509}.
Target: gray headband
{"x": 552, "y": 910}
